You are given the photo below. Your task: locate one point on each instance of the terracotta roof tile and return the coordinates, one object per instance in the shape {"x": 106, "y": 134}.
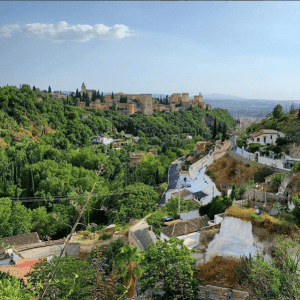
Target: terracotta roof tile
{"x": 186, "y": 227}
{"x": 24, "y": 267}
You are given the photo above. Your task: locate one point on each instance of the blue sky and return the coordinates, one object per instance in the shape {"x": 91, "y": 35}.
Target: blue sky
{"x": 245, "y": 49}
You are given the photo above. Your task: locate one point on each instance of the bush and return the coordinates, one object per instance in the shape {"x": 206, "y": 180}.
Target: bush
{"x": 210, "y": 174}
{"x": 104, "y": 236}
{"x": 254, "y": 147}
{"x": 86, "y": 234}
{"x": 277, "y": 179}
{"x": 272, "y": 279}
{"x": 216, "y": 206}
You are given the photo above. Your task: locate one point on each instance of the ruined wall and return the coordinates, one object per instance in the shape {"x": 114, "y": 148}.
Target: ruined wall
{"x": 294, "y": 150}
{"x": 261, "y": 196}
{"x": 222, "y": 150}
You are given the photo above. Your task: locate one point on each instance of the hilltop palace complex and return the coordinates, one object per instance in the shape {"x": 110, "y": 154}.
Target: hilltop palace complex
{"x": 142, "y": 102}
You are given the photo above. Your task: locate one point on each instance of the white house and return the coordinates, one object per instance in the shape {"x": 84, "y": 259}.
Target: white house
{"x": 102, "y": 140}
{"x": 264, "y": 136}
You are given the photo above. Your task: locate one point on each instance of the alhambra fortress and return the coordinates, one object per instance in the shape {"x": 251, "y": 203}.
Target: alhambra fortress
{"x": 142, "y": 102}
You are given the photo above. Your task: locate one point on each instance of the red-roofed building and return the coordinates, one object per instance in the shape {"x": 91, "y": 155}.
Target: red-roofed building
{"x": 21, "y": 269}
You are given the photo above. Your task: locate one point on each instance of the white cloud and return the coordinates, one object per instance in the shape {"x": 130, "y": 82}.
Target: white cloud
{"x": 6, "y": 30}
{"x": 62, "y": 31}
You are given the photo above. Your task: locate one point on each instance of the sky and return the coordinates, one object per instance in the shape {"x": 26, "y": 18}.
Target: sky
{"x": 245, "y": 49}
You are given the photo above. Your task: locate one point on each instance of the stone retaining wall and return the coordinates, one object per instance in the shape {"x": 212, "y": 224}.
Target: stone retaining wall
{"x": 261, "y": 196}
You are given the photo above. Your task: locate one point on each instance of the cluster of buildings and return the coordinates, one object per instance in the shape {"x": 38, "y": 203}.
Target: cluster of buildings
{"x": 144, "y": 103}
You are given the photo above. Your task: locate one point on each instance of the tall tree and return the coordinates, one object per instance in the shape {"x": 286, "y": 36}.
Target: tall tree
{"x": 277, "y": 112}
{"x": 112, "y": 95}
{"x": 169, "y": 265}
{"x": 224, "y": 132}
{"x": 115, "y": 108}
{"x": 94, "y": 96}
{"x": 49, "y": 89}
{"x": 215, "y": 129}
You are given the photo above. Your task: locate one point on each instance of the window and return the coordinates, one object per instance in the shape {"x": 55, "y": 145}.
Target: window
{"x": 265, "y": 139}
{"x": 258, "y": 139}
{"x": 271, "y": 137}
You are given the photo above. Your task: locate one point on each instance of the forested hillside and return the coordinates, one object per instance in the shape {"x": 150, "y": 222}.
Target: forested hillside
{"x": 46, "y": 151}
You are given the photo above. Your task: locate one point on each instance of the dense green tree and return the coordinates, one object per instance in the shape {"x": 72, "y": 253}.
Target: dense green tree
{"x": 5, "y": 217}
{"x": 14, "y": 289}
{"x": 172, "y": 206}
{"x": 277, "y": 112}
{"x": 20, "y": 219}
{"x": 73, "y": 279}
{"x": 49, "y": 89}
{"x": 136, "y": 201}
{"x": 217, "y": 205}
{"x": 169, "y": 265}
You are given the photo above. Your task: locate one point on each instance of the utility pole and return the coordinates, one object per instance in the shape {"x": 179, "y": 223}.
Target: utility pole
{"x": 66, "y": 243}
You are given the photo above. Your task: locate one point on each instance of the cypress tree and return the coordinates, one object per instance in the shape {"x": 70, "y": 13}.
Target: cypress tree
{"x": 224, "y": 132}
{"x": 215, "y": 129}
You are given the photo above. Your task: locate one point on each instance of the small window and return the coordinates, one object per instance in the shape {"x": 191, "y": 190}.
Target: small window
{"x": 258, "y": 139}
{"x": 271, "y": 137}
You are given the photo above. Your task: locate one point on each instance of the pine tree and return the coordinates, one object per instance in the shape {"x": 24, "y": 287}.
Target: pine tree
{"x": 112, "y": 95}
{"x": 33, "y": 88}
{"x": 49, "y": 89}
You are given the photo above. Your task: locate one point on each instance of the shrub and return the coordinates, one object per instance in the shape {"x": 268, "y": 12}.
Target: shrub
{"x": 104, "y": 236}
{"x": 272, "y": 279}
{"x": 254, "y": 147}
{"x": 210, "y": 174}
{"x": 216, "y": 206}
{"x": 86, "y": 234}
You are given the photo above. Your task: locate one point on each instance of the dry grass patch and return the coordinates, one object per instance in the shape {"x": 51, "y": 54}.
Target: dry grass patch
{"x": 242, "y": 213}
{"x": 207, "y": 236}
{"x": 219, "y": 271}
{"x": 270, "y": 224}
{"x": 228, "y": 170}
